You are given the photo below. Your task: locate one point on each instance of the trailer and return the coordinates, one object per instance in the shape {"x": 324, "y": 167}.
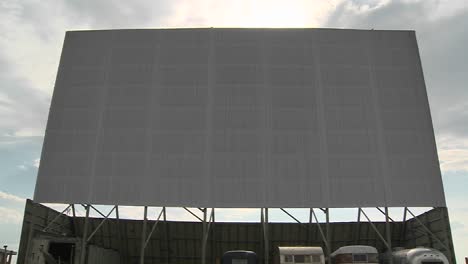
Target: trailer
{"x": 239, "y": 257}
{"x": 302, "y": 255}
{"x": 418, "y": 255}
{"x": 355, "y": 254}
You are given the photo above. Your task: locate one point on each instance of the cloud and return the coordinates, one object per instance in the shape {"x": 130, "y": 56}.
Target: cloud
{"x": 37, "y": 162}
{"x": 453, "y": 154}
{"x": 246, "y": 13}
{"x": 440, "y": 31}
{"x": 32, "y": 32}
{"x": 11, "y": 198}
{"x": 11, "y": 208}
{"x": 10, "y": 216}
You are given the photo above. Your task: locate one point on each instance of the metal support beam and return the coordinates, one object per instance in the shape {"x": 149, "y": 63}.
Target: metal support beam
{"x": 320, "y": 229}
{"x": 309, "y": 234}
{"x": 385, "y": 214}
{"x": 153, "y": 228}
{"x": 100, "y": 224}
{"x": 99, "y": 212}
{"x": 428, "y": 230}
{"x": 55, "y": 218}
{"x": 290, "y": 215}
{"x": 213, "y": 237}
{"x": 357, "y": 232}
{"x": 75, "y": 224}
{"x": 5, "y": 255}
{"x": 327, "y": 216}
{"x": 295, "y": 219}
{"x": 375, "y": 229}
{"x": 388, "y": 233}
{"x": 192, "y": 213}
{"x": 166, "y": 234}
{"x": 265, "y": 235}
{"x": 143, "y": 235}
{"x": 84, "y": 238}
{"x": 403, "y": 230}
{"x": 203, "y": 246}
{"x": 73, "y": 210}
{"x": 119, "y": 234}
{"x": 206, "y": 232}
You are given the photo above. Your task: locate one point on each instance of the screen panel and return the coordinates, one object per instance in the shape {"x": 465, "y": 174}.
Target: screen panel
{"x": 240, "y": 118}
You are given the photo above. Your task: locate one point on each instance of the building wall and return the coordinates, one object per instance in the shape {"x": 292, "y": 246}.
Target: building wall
{"x": 36, "y": 218}
{"x": 180, "y": 242}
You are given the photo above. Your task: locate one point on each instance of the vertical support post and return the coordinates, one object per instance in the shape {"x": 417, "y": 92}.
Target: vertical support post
{"x": 203, "y": 246}
{"x": 75, "y": 226}
{"x": 143, "y": 236}
{"x": 85, "y": 236}
{"x": 403, "y": 229}
{"x": 166, "y": 233}
{"x": 265, "y": 236}
{"x": 309, "y": 233}
{"x": 310, "y": 216}
{"x": 262, "y": 223}
{"x": 213, "y": 243}
{"x": 358, "y": 232}
{"x": 119, "y": 234}
{"x": 327, "y": 216}
{"x": 389, "y": 236}
{"x": 5, "y": 252}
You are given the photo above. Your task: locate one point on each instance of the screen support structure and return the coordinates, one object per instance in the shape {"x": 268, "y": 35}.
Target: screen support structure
{"x": 144, "y": 238}
{"x": 325, "y": 235}
{"x": 209, "y": 221}
{"x": 429, "y": 232}
{"x": 87, "y": 238}
{"x": 264, "y": 222}
{"x": 357, "y": 234}
{"x": 206, "y": 223}
{"x": 388, "y": 234}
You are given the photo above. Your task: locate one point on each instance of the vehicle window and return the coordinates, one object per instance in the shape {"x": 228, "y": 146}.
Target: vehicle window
{"x": 316, "y": 258}
{"x": 239, "y": 261}
{"x": 301, "y": 259}
{"x": 288, "y": 258}
{"x": 359, "y": 258}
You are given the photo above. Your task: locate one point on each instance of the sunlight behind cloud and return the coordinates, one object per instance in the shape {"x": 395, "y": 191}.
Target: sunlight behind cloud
{"x": 248, "y": 13}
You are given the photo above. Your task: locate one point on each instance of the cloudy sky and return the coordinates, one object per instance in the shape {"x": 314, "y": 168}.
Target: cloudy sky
{"x": 31, "y": 37}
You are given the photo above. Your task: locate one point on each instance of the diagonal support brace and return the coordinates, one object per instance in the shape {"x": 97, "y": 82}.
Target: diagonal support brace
{"x": 428, "y": 230}
{"x": 376, "y": 230}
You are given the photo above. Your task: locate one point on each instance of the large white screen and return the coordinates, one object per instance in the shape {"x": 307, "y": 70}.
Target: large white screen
{"x": 240, "y": 118}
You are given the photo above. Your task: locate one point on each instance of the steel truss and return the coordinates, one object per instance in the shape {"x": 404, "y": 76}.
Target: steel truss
{"x": 208, "y": 222}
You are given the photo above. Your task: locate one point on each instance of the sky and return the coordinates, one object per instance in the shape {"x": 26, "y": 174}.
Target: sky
{"x": 31, "y": 39}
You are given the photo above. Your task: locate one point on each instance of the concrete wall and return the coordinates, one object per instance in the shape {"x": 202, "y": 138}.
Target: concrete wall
{"x": 180, "y": 242}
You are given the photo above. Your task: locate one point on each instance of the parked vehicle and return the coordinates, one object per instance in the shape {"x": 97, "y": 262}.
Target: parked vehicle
{"x": 418, "y": 255}
{"x": 301, "y": 255}
{"x": 355, "y": 254}
{"x": 239, "y": 257}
